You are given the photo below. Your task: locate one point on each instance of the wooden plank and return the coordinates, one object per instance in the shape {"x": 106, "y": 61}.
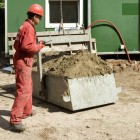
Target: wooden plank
{"x": 11, "y": 61}
{"x": 39, "y": 65}
{"x": 63, "y": 48}
{"x": 12, "y": 34}
{"x": 11, "y": 52}
{"x": 58, "y": 48}
{"x": 61, "y": 39}
{"x": 54, "y": 33}
{"x": 93, "y": 40}
{"x": 11, "y": 42}
{"x": 51, "y": 33}
{"x": 65, "y": 39}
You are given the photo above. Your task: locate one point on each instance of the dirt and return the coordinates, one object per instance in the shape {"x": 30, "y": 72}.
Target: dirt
{"x": 81, "y": 64}
{"x": 119, "y": 121}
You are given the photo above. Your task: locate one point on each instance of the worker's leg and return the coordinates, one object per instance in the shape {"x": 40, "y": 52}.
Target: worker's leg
{"x": 28, "y": 108}
{"x": 23, "y": 94}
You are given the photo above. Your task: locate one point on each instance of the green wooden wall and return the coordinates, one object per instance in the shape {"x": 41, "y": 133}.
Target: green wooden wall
{"x": 17, "y": 10}
{"x": 124, "y": 14}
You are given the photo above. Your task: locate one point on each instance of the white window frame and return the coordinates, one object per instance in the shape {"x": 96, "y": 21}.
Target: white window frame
{"x": 66, "y": 25}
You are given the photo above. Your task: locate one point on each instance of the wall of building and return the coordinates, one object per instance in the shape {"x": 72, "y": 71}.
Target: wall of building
{"x": 124, "y": 14}
{"x": 16, "y": 12}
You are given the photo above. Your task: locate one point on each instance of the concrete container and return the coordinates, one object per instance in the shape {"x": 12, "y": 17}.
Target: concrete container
{"x": 78, "y": 93}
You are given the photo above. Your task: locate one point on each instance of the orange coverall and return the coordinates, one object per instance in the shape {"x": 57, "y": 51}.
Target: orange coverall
{"x": 26, "y": 47}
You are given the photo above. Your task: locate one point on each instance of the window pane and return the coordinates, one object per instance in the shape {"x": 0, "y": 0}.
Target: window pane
{"x": 70, "y": 11}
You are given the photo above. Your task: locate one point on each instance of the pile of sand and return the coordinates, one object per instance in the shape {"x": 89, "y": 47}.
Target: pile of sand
{"x": 81, "y": 64}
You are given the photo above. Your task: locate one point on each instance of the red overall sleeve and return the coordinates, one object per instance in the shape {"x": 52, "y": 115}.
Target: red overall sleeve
{"x": 28, "y": 44}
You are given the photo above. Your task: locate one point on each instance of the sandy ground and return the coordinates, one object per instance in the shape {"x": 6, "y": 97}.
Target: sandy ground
{"x": 119, "y": 121}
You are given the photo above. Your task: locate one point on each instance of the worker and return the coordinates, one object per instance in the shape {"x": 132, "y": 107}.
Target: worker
{"x": 26, "y": 46}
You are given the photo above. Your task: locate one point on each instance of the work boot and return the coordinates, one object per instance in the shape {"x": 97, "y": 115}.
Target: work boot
{"x": 18, "y": 127}
{"x": 30, "y": 115}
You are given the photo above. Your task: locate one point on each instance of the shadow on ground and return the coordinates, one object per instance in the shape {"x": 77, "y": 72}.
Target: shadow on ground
{"x": 4, "y": 124}
{"x": 54, "y": 108}
{"x": 6, "y": 90}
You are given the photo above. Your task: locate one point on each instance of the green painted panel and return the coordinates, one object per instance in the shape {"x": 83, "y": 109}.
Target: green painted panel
{"x": 130, "y": 9}
{"x": 128, "y": 25}
{"x": 17, "y": 10}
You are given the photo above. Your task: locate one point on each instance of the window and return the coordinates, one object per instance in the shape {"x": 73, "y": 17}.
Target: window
{"x": 72, "y": 11}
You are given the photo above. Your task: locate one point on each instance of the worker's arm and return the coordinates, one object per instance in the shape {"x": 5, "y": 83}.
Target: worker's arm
{"x": 28, "y": 42}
